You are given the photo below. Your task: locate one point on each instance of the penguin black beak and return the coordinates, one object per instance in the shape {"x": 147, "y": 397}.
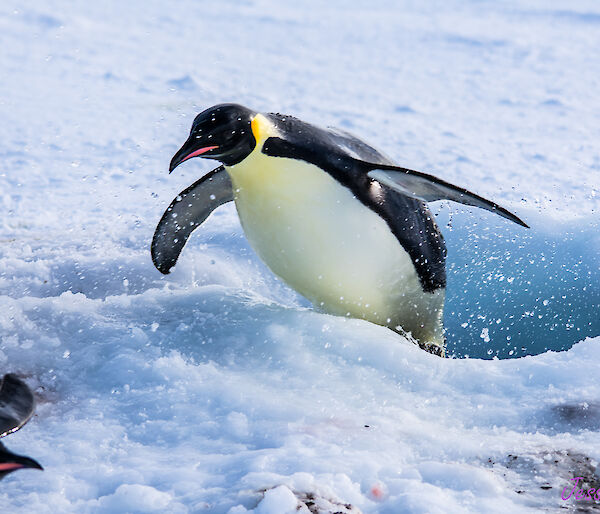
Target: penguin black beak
{"x": 10, "y": 462}
{"x": 19, "y": 462}
{"x": 187, "y": 151}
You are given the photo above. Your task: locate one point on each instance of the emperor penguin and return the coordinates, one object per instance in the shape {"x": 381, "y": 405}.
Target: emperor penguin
{"x": 330, "y": 215}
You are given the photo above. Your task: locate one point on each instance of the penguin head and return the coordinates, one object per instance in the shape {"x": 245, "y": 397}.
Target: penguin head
{"x": 222, "y": 132}
{"x": 10, "y": 462}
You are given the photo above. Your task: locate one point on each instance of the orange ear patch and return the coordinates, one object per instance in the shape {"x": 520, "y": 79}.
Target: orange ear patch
{"x": 255, "y": 125}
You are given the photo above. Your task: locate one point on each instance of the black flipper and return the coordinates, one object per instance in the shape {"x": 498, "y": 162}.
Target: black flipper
{"x": 186, "y": 213}
{"x": 16, "y": 404}
{"x": 429, "y": 189}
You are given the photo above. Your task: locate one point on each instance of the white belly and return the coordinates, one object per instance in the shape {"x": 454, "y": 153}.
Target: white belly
{"x": 325, "y": 244}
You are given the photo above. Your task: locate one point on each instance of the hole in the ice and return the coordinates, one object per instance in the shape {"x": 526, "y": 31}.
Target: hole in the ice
{"x": 514, "y": 292}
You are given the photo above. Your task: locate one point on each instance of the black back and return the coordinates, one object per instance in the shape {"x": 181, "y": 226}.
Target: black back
{"x": 16, "y": 404}
{"x": 347, "y": 159}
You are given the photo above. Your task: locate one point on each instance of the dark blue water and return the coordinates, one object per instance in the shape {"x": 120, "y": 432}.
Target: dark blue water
{"x": 514, "y": 292}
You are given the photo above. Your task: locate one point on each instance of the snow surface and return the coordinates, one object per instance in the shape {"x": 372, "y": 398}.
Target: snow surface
{"x": 218, "y": 389}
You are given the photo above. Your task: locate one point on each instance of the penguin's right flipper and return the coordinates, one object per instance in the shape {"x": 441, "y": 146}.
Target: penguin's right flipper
{"x": 428, "y": 188}
{"x": 16, "y": 404}
{"x": 186, "y": 213}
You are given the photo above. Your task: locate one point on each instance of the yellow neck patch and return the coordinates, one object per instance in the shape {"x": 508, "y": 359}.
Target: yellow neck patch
{"x": 261, "y": 129}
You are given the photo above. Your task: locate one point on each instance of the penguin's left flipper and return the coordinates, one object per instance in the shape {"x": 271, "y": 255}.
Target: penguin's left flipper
{"x": 186, "y": 213}
{"x": 429, "y": 189}
{"x": 16, "y": 404}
